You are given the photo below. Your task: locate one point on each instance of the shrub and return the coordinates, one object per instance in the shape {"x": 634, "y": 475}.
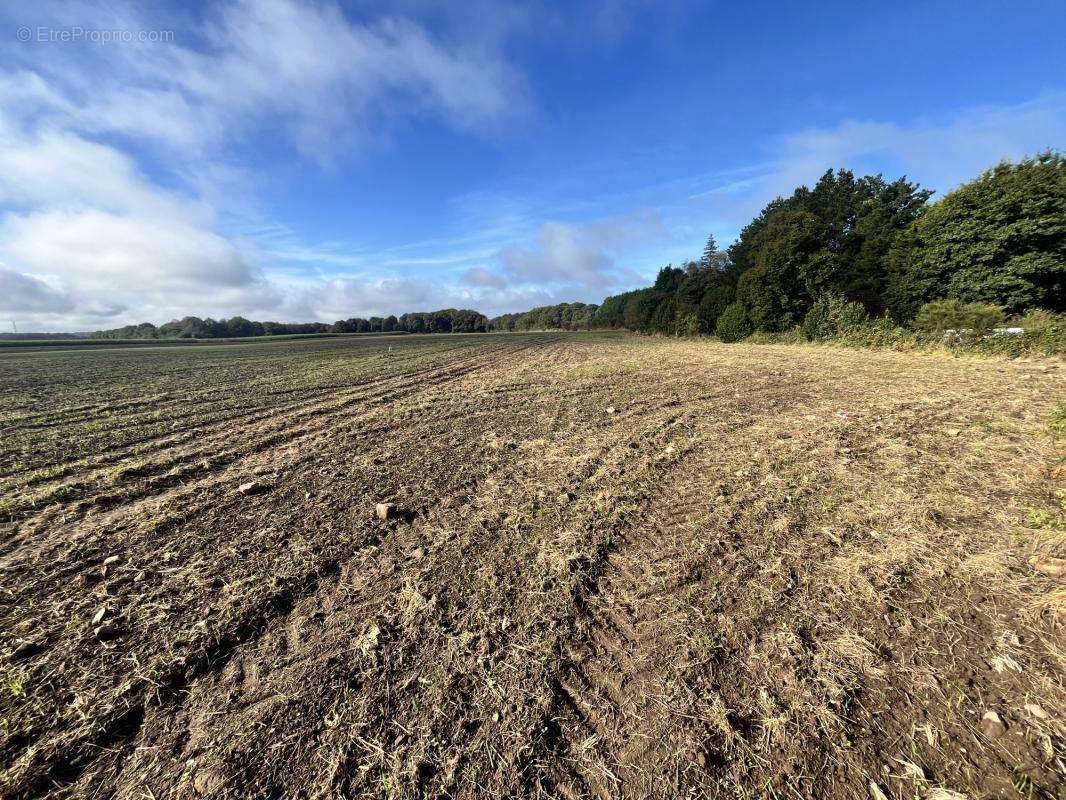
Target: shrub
{"x": 734, "y": 324}
{"x": 832, "y": 315}
{"x": 688, "y": 324}
{"x": 1044, "y": 333}
{"x": 791, "y": 336}
{"x": 952, "y": 314}
{"x": 1041, "y": 321}
{"x": 880, "y": 333}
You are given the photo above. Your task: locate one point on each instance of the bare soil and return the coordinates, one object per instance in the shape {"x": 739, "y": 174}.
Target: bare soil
{"x": 616, "y": 567}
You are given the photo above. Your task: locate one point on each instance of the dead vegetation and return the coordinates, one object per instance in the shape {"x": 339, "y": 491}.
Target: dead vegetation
{"x": 530, "y": 565}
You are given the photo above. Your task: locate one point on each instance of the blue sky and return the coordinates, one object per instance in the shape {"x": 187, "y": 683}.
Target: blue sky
{"x": 313, "y": 160}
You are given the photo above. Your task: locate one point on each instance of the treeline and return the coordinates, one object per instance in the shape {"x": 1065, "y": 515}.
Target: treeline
{"x": 448, "y": 320}
{"x": 564, "y": 316}
{"x": 997, "y": 242}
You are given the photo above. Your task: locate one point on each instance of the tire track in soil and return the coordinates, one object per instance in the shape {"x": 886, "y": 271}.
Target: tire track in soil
{"x": 310, "y": 400}
{"x": 271, "y": 619}
{"x": 298, "y": 444}
{"x": 386, "y": 586}
{"x": 616, "y": 733}
{"x": 310, "y": 419}
{"x": 216, "y": 400}
{"x": 69, "y": 762}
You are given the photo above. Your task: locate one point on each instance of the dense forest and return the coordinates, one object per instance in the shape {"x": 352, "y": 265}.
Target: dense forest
{"x": 844, "y": 252}
{"x": 998, "y": 241}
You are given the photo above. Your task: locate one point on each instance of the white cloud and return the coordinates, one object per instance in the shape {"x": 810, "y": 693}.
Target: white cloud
{"x": 21, "y": 293}
{"x": 304, "y": 69}
{"x": 50, "y": 167}
{"x": 942, "y": 154}
{"x": 342, "y": 298}
{"x": 89, "y": 235}
{"x": 93, "y": 249}
{"x": 479, "y": 276}
{"x": 582, "y": 255}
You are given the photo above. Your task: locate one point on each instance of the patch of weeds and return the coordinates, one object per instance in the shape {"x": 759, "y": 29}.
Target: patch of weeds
{"x": 1049, "y": 517}
{"x": 1057, "y": 422}
{"x": 1001, "y": 427}
{"x": 1023, "y": 784}
{"x": 15, "y": 684}
{"x": 1039, "y": 518}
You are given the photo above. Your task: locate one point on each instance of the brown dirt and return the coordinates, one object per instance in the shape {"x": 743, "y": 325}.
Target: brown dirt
{"x": 772, "y": 572}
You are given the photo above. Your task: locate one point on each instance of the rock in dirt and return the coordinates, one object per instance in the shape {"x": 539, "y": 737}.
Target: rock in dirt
{"x": 99, "y": 615}
{"x": 566, "y": 498}
{"x": 1035, "y": 711}
{"x": 252, "y": 487}
{"x": 110, "y": 560}
{"x": 612, "y": 410}
{"x": 992, "y": 725}
{"x": 1052, "y": 567}
{"x": 876, "y": 793}
{"x": 386, "y": 511}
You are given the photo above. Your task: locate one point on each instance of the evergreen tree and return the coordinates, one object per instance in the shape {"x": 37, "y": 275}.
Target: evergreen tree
{"x": 710, "y": 253}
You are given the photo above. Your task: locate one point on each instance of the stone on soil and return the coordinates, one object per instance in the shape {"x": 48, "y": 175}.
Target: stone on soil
{"x": 992, "y": 725}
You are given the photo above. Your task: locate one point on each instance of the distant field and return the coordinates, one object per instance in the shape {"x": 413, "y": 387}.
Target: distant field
{"x": 619, "y": 567}
{"x": 79, "y": 343}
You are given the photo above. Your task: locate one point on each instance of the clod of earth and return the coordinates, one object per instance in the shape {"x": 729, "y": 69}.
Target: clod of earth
{"x": 25, "y": 649}
{"x": 386, "y": 511}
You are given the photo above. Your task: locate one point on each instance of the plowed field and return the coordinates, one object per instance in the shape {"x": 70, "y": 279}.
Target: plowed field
{"x": 617, "y": 567}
